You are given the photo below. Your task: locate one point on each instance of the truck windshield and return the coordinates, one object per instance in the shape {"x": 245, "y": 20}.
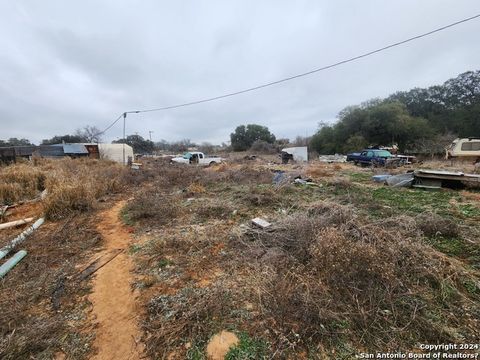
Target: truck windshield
{"x": 187, "y": 155}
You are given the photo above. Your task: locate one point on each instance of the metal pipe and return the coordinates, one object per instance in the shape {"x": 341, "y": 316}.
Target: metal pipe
{"x": 10, "y": 263}
{"x": 20, "y": 238}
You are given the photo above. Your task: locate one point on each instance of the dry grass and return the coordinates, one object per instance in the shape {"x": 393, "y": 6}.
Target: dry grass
{"x": 76, "y": 185}
{"x": 339, "y": 183}
{"x": 72, "y": 185}
{"x": 246, "y": 175}
{"x": 192, "y": 313}
{"x": 325, "y": 278}
{"x": 67, "y": 198}
{"x": 149, "y": 205}
{"x": 333, "y": 277}
{"x": 319, "y": 171}
{"x": 11, "y": 193}
{"x": 432, "y": 225}
{"x": 178, "y": 175}
{"x": 20, "y": 182}
{"x": 41, "y": 300}
{"x": 450, "y": 165}
{"x": 214, "y": 210}
{"x": 261, "y": 197}
{"x": 196, "y": 188}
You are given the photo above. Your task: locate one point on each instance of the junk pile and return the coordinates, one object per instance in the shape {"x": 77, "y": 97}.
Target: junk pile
{"x": 301, "y": 181}
{"x": 281, "y": 178}
{"x": 429, "y": 179}
{"x": 337, "y": 158}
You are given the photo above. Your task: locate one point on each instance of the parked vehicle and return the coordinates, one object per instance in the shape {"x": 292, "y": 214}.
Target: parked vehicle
{"x": 406, "y": 159}
{"x": 464, "y": 148}
{"x": 374, "y": 157}
{"x": 198, "y": 158}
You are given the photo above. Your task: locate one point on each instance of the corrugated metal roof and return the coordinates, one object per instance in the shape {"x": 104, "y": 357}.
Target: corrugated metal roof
{"x": 50, "y": 150}
{"x": 75, "y": 149}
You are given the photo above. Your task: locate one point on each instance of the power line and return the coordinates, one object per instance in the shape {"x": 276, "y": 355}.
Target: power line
{"x": 301, "y": 74}
{"x": 109, "y": 126}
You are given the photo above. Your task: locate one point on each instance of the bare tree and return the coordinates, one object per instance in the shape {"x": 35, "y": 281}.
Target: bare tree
{"x": 90, "y": 134}
{"x": 206, "y": 147}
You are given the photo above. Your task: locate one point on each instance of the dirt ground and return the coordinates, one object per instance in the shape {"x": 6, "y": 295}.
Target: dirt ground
{"x": 115, "y": 311}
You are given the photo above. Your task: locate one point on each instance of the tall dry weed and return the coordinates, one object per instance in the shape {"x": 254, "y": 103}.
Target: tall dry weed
{"x": 337, "y": 274}
{"x": 76, "y": 185}
{"x": 72, "y": 184}
{"x": 20, "y": 182}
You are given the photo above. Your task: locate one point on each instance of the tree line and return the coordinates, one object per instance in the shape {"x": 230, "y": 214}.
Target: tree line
{"x": 422, "y": 120}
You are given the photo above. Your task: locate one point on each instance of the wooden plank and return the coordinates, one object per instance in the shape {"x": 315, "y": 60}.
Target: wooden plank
{"x": 15, "y": 223}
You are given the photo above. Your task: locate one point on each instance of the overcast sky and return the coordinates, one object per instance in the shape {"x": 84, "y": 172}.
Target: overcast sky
{"x": 65, "y": 64}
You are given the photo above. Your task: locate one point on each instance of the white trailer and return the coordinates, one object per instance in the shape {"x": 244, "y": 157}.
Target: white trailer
{"x": 114, "y": 152}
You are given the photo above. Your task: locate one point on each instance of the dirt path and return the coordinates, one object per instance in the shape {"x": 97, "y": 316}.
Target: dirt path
{"x": 114, "y": 309}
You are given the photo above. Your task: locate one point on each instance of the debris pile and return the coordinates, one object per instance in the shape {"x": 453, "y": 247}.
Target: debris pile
{"x": 429, "y": 179}
{"x": 337, "y": 158}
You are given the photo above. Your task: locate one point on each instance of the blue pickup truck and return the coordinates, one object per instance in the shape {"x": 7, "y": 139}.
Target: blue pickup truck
{"x": 373, "y": 157}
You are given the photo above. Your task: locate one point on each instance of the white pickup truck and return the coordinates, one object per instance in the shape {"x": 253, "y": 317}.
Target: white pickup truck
{"x": 198, "y": 158}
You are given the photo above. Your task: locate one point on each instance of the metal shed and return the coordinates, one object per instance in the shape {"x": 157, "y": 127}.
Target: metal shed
{"x": 53, "y": 151}
{"x": 75, "y": 149}
{"x": 7, "y": 155}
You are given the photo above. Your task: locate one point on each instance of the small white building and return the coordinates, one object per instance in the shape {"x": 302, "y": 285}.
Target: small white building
{"x": 298, "y": 153}
{"x": 115, "y": 152}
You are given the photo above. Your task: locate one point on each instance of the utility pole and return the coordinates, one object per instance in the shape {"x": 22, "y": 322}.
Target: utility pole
{"x": 124, "y": 139}
{"x": 150, "y": 133}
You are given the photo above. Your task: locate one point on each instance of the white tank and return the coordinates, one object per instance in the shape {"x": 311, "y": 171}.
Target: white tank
{"x": 114, "y": 152}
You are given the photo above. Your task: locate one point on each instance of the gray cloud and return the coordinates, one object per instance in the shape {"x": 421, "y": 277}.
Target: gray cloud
{"x": 65, "y": 65}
